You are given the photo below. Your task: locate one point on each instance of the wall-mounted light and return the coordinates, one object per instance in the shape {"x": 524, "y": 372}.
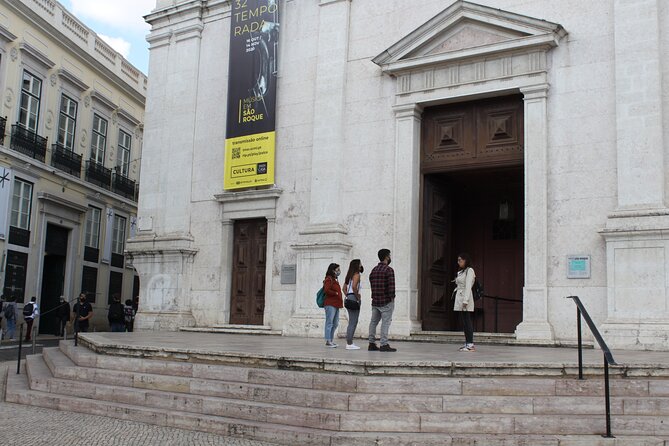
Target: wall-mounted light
{"x": 505, "y": 212}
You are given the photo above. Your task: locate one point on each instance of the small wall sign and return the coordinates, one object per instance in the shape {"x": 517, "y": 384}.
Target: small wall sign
{"x": 578, "y": 267}
{"x": 288, "y": 274}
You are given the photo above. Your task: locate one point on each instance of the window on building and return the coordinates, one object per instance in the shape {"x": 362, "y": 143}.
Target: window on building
{"x": 123, "y": 159}
{"x": 92, "y": 233}
{"x": 118, "y": 235}
{"x": 31, "y": 91}
{"x": 67, "y": 122}
{"x": 98, "y": 139}
{"x": 89, "y": 283}
{"x": 21, "y": 203}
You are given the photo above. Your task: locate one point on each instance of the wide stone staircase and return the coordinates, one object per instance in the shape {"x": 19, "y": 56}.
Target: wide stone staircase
{"x": 266, "y": 402}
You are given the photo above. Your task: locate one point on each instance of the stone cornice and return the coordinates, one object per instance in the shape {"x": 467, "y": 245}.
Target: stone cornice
{"x": 66, "y": 76}
{"x": 5, "y": 35}
{"x": 80, "y": 208}
{"x": 36, "y": 55}
{"x": 103, "y": 100}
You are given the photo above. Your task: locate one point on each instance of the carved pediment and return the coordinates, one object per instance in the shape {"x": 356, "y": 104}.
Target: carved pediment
{"x": 467, "y": 30}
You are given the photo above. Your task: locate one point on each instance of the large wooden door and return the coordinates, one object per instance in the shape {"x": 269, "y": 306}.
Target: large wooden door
{"x": 472, "y": 201}
{"x": 248, "y": 272}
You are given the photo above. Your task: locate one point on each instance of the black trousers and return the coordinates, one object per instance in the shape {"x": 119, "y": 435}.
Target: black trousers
{"x": 466, "y": 318}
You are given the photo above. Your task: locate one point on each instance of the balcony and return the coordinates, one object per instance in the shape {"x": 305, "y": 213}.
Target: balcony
{"x": 98, "y": 174}
{"x": 28, "y": 142}
{"x": 124, "y": 186}
{"x": 66, "y": 160}
{"x": 3, "y": 125}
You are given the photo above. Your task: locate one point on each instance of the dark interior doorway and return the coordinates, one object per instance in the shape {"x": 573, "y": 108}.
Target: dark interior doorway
{"x": 53, "y": 276}
{"x": 479, "y": 212}
{"x": 247, "y": 306}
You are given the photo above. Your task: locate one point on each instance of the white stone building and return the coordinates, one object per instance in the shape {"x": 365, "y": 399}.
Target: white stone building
{"x": 529, "y": 133}
{"x": 71, "y": 129}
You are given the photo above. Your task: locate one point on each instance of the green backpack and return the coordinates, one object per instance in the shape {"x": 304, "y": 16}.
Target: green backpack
{"x": 320, "y": 298}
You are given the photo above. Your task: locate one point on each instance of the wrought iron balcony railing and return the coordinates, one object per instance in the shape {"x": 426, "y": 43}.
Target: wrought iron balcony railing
{"x": 28, "y": 142}
{"x": 3, "y": 125}
{"x": 98, "y": 174}
{"x": 66, "y": 160}
{"x": 124, "y": 186}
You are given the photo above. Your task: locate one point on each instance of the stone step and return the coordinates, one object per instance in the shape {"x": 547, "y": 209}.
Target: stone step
{"x": 375, "y": 417}
{"x": 510, "y": 386}
{"x": 19, "y": 392}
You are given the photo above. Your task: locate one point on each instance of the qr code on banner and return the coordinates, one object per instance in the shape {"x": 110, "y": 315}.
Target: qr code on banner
{"x": 236, "y": 153}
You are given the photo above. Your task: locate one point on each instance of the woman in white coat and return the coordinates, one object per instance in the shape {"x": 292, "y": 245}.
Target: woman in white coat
{"x": 464, "y": 299}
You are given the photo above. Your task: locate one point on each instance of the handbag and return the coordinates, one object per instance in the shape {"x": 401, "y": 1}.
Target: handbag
{"x": 351, "y": 303}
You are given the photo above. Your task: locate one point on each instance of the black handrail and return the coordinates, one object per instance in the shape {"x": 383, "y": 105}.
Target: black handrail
{"x": 581, "y": 312}
{"x": 497, "y": 300}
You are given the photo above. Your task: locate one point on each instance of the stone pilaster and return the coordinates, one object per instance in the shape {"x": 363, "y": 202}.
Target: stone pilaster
{"x": 535, "y": 325}
{"x": 163, "y": 250}
{"x": 406, "y": 224}
{"x": 636, "y": 233}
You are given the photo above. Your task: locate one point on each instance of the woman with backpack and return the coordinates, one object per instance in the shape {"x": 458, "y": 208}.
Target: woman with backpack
{"x": 464, "y": 299}
{"x": 333, "y": 302}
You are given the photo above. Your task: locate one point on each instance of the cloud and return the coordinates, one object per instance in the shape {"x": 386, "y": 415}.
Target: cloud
{"x": 120, "y": 14}
{"x": 118, "y": 43}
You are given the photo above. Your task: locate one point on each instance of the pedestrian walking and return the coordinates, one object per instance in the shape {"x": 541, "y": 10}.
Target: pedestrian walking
{"x": 333, "y": 302}
{"x": 352, "y": 302}
{"x": 382, "y": 280}
{"x": 9, "y": 311}
{"x": 129, "y": 313}
{"x": 83, "y": 312}
{"x": 116, "y": 315}
{"x": 30, "y": 312}
{"x": 63, "y": 316}
{"x": 464, "y": 299}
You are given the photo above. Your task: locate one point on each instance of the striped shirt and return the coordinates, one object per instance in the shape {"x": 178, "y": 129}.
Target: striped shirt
{"x": 382, "y": 280}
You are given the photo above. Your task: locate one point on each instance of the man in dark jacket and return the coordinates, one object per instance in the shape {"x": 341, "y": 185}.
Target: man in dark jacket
{"x": 116, "y": 315}
{"x": 63, "y": 316}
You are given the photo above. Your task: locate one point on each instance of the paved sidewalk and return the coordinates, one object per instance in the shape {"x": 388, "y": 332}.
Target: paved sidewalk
{"x": 48, "y": 427}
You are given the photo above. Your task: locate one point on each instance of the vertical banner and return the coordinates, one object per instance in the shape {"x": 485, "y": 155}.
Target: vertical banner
{"x": 250, "y": 129}
{"x": 6, "y": 180}
{"x": 109, "y": 231}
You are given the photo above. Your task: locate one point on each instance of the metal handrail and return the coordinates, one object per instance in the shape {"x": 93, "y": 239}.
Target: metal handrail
{"x": 581, "y": 312}
{"x": 496, "y": 300}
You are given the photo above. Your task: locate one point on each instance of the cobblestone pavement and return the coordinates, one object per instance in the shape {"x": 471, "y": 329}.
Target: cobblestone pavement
{"x": 36, "y": 426}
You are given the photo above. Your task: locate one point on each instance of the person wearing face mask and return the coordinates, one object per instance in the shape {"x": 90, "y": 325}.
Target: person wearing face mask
{"x": 352, "y": 286}
{"x": 333, "y": 302}
{"x": 83, "y": 312}
{"x": 382, "y": 280}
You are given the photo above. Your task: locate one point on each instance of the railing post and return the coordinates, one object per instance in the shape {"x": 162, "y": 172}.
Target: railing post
{"x": 18, "y": 364}
{"x": 607, "y": 395}
{"x": 580, "y": 343}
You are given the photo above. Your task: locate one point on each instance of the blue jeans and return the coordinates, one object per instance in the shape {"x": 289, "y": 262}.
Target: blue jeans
{"x": 11, "y": 328}
{"x": 331, "y": 322}
{"x": 352, "y": 325}
{"x": 117, "y": 327}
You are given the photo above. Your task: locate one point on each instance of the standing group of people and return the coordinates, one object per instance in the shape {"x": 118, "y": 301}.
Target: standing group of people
{"x": 10, "y": 313}
{"x": 382, "y": 283}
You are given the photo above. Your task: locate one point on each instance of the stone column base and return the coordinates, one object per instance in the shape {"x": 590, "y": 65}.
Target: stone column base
{"x": 163, "y": 321}
{"x": 535, "y": 331}
{"x": 646, "y": 335}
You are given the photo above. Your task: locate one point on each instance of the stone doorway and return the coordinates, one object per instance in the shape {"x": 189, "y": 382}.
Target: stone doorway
{"x": 248, "y": 272}
{"x": 473, "y": 201}
{"x": 53, "y": 276}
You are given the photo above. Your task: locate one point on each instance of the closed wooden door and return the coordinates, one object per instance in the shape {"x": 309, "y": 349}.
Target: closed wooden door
{"x": 248, "y": 272}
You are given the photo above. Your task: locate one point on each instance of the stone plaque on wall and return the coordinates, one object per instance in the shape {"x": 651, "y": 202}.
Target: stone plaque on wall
{"x": 288, "y": 274}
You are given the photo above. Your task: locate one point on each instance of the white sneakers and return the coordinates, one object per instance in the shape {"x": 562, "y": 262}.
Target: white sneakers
{"x": 352, "y": 347}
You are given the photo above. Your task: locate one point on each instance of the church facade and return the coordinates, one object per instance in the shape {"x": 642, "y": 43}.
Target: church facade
{"x": 529, "y": 134}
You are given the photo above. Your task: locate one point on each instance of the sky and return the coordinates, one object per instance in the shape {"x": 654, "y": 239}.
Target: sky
{"x": 119, "y": 23}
